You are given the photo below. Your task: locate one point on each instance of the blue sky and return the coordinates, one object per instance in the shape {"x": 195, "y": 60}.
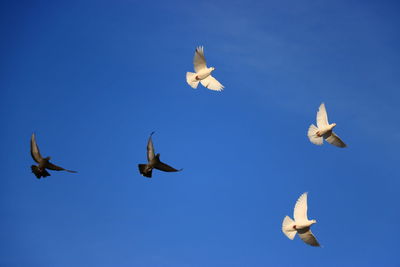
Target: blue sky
{"x": 93, "y": 79}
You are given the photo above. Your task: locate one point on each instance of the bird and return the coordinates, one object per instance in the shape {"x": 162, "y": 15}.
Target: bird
{"x": 203, "y": 74}
{"x": 43, "y": 163}
{"x": 323, "y": 130}
{"x": 153, "y": 162}
{"x": 301, "y": 223}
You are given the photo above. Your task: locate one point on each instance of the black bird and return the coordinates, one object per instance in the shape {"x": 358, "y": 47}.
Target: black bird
{"x": 43, "y": 163}
{"x": 153, "y": 162}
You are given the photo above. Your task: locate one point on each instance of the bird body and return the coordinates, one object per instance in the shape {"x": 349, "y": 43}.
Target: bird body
{"x": 203, "y": 73}
{"x": 148, "y": 168}
{"x": 43, "y": 163}
{"x": 323, "y": 130}
{"x": 153, "y": 162}
{"x": 301, "y": 224}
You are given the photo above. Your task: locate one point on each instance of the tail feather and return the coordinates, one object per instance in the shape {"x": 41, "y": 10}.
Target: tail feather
{"x": 39, "y": 173}
{"x": 312, "y": 135}
{"x": 287, "y": 227}
{"x": 191, "y": 79}
{"x": 146, "y": 172}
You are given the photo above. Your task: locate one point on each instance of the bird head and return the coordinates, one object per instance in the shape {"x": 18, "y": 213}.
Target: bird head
{"x": 313, "y": 221}
{"x": 332, "y": 125}
{"x": 47, "y": 158}
{"x": 212, "y": 68}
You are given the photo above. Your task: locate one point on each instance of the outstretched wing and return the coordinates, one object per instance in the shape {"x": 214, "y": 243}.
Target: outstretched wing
{"x": 164, "y": 167}
{"x": 322, "y": 117}
{"x": 307, "y": 236}
{"x": 199, "y": 60}
{"x": 300, "y": 209}
{"x": 53, "y": 167}
{"x": 211, "y": 83}
{"x": 333, "y": 139}
{"x": 150, "y": 148}
{"x": 35, "y": 153}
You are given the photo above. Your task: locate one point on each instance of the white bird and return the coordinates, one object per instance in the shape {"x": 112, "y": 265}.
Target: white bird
{"x": 301, "y": 223}
{"x": 203, "y": 74}
{"x": 323, "y": 130}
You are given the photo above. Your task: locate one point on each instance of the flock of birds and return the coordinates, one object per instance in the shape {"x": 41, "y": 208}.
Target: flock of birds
{"x": 324, "y": 130}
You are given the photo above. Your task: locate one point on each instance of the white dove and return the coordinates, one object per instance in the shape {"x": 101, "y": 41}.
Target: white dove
{"x": 301, "y": 223}
{"x": 323, "y": 130}
{"x": 203, "y": 74}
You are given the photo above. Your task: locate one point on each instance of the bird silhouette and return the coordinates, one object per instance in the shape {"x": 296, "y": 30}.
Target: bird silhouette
{"x": 43, "y": 163}
{"x": 153, "y": 162}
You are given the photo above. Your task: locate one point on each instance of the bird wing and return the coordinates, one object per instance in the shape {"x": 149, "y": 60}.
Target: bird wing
{"x": 164, "y": 167}
{"x": 211, "y": 83}
{"x": 199, "y": 61}
{"x": 54, "y": 167}
{"x": 322, "y": 117}
{"x": 307, "y": 236}
{"x": 35, "y": 153}
{"x": 333, "y": 139}
{"x": 150, "y": 148}
{"x": 300, "y": 209}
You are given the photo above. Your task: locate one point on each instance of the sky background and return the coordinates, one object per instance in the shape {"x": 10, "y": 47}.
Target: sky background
{"x": 93, "y": 79}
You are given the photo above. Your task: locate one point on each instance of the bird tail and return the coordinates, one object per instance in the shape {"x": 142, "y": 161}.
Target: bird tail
{"x": 312, "y": 135}
{"x": 287, "y": 227}
{"x": 39, "y": 173}
{"x": 191, "y": 79}
{"x": 146, "y": 172}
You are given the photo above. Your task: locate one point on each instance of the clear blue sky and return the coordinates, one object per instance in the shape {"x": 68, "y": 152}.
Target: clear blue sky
{"x": 93, "y": 79}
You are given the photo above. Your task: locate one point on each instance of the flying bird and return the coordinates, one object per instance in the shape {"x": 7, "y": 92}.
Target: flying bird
{"x": 301, "y": 223}
{"x": 203, "y": 74}
{"x": 323, "y": 130}
{"x": 153, "y": 162}
{"x": 43, "y": 163}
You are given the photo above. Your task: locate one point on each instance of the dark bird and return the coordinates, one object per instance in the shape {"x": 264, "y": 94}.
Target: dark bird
{"x": 153, "y": 162}
{"x": 43, "y": 163}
